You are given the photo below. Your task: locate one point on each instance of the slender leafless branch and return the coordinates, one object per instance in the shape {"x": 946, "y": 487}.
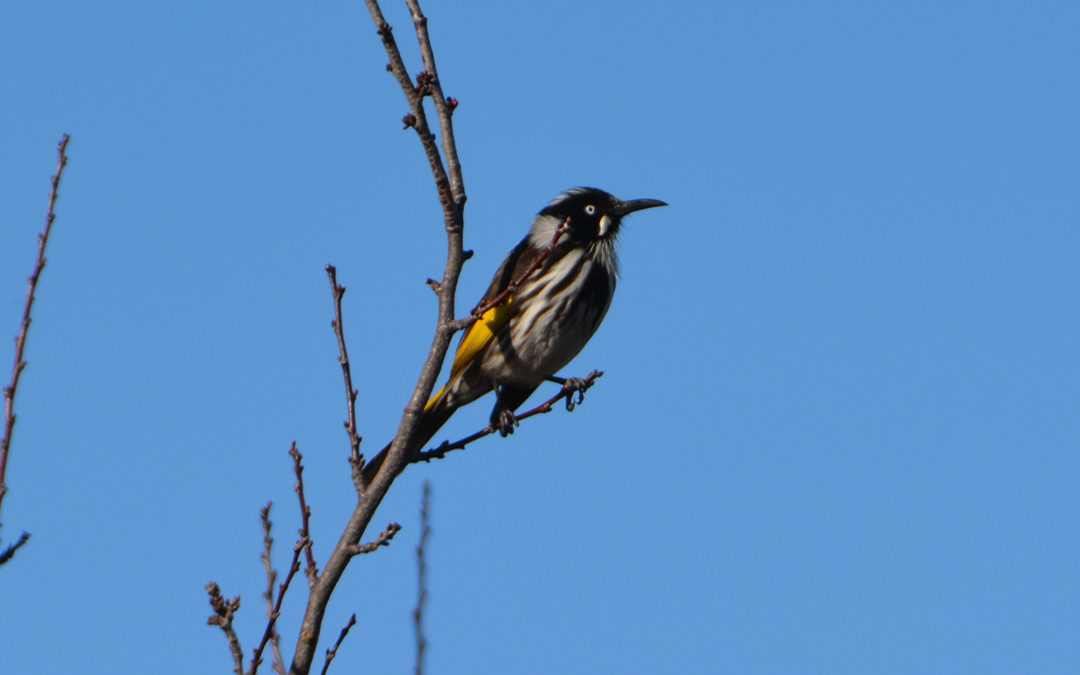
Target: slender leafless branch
{"x": 302, "y": 544}
{"x": 271, "y": 579}
{"x": 421, "y": 580}
{"x": 312, "y": 572}
{"x": 356, "y": 460}
{"x": 382, "y": 540}
{"x": 19, "y": 364}
{"x": 444, "y": 106}
{"x": 10, "y": 551}
{"x": 224, "y": 611}
{"x": 569, "y": 388}
{"x": 332, "y": 652}
{"x": 271, "y": 623}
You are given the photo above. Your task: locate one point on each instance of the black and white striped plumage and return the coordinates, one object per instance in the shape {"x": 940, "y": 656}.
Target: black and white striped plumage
{"x": 550, "y": 317}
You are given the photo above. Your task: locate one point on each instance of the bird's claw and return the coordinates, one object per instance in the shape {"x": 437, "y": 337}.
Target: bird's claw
{"x": 505, "y": 421}
{"x": 571, "y": 386}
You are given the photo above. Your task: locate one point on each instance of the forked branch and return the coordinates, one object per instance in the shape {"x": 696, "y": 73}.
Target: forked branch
{"x": 451, "y": 190}
{"x": 271, "y": 579}
{"x": 224, "y": 611}
{"x": 355, "y": 459}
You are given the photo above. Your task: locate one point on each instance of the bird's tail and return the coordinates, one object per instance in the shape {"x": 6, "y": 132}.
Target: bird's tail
{"x": 436, "y": 412}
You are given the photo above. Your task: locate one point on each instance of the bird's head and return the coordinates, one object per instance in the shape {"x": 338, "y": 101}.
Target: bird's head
{"x": 593, "y": 215}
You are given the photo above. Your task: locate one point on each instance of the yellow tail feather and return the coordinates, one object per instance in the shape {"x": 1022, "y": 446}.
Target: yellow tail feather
{"x": 434, "y": 401}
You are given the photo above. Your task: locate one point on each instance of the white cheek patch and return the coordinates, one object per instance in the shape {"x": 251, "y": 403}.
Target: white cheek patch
{"x": 604, "y": 226}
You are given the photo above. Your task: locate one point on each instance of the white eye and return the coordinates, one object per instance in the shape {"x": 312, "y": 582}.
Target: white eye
{"x": 590, "y": 209}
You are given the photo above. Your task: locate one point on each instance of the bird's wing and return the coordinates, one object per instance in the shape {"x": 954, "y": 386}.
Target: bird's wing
{"x": 480, "y": 334}
{"x": 484, "y": 330}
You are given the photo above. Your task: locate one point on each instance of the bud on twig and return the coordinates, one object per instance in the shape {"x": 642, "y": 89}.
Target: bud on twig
{"x": 423, "y": 83}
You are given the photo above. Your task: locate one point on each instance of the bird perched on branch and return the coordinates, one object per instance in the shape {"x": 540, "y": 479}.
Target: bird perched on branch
{"x": 546, "y": 300}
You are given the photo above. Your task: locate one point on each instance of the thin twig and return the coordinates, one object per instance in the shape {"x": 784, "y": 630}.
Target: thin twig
{"x": 270, "y": 634}
{"x": 356, "y": 460}
{"x": 271, "y": 623}
{"x": 451, "y": 188}
{"x": 312, "y": 572}
{"x": 332, "y": 652}
{"x": 421, "y": 580}
{"x": 382, "y": 540}
{"x": 444, "y": 107}
{"x": 19, "y": 364}
{"x": 271, "y": 578}
{"x": 567, "y": 392}
{"x": 224, "y": 610}
{"x": 9, "y": 552}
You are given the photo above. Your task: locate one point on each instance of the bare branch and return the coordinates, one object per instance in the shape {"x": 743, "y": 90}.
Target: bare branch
{"x": 19, "y": 364}
{"x": 275, "y": 612}
{"x": 451, "y": 187}
{"x": 332, "y": 652}
{"x": 9, "y": 552}
{"x": 452, "y": 198}
{"x": 569, "y": 388}
{"x": 421, "y": 580}
{"x": 382, "y": 540}
{"x": 312, "y": 572}
{"x": 271, "y": 578}
{"x": 302, "y": 544}
{"x": 224, "y": 610}
{"x": 356, "y": 460}
{"x": 444, "y": 106}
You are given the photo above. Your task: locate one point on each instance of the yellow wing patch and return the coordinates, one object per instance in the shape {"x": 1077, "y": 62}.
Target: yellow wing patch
{"x": 479, "y": 335}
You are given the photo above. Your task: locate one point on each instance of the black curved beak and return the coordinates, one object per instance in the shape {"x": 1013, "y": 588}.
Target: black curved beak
{"x": 632, "y": 205}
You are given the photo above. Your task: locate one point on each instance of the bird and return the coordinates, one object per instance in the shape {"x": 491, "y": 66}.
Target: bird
{"x": 546, "y": 301}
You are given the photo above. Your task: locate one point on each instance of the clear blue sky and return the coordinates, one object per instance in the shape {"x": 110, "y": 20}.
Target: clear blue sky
{"x": 838, "y": 427}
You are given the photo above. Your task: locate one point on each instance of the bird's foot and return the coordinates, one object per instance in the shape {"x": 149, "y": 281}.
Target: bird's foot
{"x": 505, "y": 421}
{"x": 571, "y": 386}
